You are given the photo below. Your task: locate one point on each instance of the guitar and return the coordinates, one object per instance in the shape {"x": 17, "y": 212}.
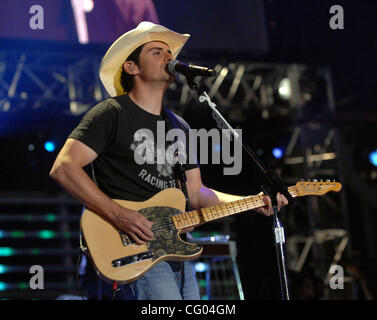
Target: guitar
{"x": 117, "y": 257}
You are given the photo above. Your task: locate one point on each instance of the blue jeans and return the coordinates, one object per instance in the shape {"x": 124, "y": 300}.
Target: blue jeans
{"x": 167, "y": 280}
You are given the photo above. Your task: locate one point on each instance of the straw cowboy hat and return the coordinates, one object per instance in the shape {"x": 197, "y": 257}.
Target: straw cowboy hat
{"x": 112, "y": 63}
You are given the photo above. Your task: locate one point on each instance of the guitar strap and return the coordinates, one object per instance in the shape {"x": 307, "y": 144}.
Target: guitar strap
{"x": 179, "y": 170}
{"x": 180, "y": 174}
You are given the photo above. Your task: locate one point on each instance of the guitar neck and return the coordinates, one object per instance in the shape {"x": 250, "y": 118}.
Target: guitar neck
{"x": 197, "y": 217}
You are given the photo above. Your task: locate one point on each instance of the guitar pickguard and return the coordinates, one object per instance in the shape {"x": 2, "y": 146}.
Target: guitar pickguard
{"x": 166, "y": 240}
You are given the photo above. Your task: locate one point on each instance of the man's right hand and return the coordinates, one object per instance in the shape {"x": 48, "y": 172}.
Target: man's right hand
{"x": 68, "y": 171}
{"x": 134, "y": 224}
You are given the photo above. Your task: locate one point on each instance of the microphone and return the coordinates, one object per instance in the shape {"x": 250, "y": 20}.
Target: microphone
{"x": 189, "y": 69}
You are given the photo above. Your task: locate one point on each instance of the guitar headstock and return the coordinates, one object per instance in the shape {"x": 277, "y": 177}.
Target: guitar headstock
{"x": 315, "y": 188}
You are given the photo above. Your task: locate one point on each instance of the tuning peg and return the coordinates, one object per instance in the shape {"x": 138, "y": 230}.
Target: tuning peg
{"x": 315, "y": 180}
{"x": 321, "y": 180}
{"x": 327, "y": 180}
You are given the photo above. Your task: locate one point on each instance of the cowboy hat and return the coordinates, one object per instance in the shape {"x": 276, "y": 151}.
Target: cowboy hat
{"x": 112, "y": 63}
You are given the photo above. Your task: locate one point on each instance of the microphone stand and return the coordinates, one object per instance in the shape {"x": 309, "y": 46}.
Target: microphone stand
{"x": 272, "y": 186}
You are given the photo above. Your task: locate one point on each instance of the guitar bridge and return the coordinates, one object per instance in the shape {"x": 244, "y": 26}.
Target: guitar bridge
{"x": 132, "y": 259}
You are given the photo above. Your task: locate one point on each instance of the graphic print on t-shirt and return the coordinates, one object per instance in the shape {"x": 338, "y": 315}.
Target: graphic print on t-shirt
{"x": 146, "y": 151}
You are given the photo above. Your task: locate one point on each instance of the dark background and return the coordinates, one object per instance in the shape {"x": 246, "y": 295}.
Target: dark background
{"x": 261, "y": 31}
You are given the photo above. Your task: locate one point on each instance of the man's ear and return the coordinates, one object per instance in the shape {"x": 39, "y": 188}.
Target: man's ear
{"x": 130, "y": 67}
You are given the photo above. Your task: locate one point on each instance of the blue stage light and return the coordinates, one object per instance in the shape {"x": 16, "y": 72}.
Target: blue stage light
{"x": 200, "y": 266}
{"x": 373, "y": 158}
{"x": 50, "y": 146}
{"x": 3, "y": 269}
{"x": 3, "y": 286}
{"x": 277, "y": 152}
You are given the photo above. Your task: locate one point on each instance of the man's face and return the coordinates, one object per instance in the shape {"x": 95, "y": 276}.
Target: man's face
{"x": 153, "y": 60}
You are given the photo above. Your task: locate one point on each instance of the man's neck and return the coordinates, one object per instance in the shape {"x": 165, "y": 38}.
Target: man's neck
{"x": 149, "y": 99}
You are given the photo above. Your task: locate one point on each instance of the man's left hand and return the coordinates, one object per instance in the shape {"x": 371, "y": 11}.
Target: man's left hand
{"x": 267, "y": 210}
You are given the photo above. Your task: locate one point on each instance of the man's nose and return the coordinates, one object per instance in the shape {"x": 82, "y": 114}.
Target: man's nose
{"x": 168, "y": 57}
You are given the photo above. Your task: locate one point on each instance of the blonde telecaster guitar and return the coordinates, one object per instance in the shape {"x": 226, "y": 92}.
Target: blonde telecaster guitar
{"x": 118, "y": 258}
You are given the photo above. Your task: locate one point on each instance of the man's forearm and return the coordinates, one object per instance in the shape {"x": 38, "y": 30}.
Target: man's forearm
{"x": 206, "y": 197}
{"x": 75, "y": 180}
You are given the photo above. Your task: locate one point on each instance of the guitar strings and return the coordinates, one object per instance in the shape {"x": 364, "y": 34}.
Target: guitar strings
{"x": 242, "y": 206}
{"x": 165, "y": 222}
{"x": 247, "y": 206}
{"x": 249, "y": 203}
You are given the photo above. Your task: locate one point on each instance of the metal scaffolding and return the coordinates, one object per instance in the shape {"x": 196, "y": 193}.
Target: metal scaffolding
{"x": 49, "y": 77}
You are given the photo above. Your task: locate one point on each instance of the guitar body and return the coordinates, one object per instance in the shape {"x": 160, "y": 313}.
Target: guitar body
{"x": 118, "y": 258}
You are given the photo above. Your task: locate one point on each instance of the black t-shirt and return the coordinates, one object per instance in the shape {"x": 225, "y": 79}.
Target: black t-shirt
{"x": 133, "y": 163}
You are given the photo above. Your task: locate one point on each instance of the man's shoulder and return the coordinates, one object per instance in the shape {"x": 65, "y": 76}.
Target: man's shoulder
{"x": 109, "y": 103}
{"x": 112, "y": 104}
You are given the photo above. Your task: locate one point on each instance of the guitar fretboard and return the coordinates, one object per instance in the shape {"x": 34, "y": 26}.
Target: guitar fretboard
{"x": 199, "y": 216}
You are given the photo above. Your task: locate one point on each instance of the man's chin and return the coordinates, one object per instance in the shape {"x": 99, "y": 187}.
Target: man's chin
{"x": 170, "y": 79}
